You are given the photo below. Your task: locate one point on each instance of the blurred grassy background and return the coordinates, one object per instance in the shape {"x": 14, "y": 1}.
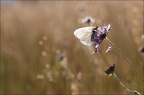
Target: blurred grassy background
{"x": 40, "y": 55}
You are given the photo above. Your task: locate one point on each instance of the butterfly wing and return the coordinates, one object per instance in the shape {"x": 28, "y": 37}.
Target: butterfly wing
{"x": 86, "y": 39}
{"x": 84, "y": 34}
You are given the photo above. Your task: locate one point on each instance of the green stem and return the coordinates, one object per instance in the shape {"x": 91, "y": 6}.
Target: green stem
{"x": 133, "y": 92}
{"x": 121, "y": 83}
{"x": 123, "y": 57}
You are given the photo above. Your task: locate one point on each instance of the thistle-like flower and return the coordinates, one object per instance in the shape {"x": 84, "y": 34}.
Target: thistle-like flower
{"x": 99, "y": 33}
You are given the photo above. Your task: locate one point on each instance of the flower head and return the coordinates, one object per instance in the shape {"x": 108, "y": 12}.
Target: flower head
{"x": 61, "y": 58}
{"x": 88, "y": 20}
{"x": 99, "y": 33}
{"x": 110, "y": 70}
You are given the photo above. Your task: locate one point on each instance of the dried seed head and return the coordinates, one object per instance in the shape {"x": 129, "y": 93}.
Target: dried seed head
{"x": 110, "y": 70}
{"x": 141, "y": 49}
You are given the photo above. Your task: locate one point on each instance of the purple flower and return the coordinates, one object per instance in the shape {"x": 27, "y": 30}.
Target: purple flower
{"x": 99, "y": 33}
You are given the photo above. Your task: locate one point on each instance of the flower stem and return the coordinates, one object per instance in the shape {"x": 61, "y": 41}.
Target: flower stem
{"x": 123, "y": 57}
{"x": 133, "y": 92}
{"x": 121, "y": 82}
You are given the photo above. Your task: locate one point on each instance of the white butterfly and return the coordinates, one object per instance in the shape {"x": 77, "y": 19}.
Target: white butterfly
{"x": 84, "y": 34}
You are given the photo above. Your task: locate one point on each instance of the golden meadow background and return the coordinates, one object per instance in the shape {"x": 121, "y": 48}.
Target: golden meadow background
{"x": 40, "y": 55}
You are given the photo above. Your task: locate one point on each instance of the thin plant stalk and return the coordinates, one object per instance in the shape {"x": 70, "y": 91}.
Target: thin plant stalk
{"x": 123, "y": 57}
{"x": 133, "y": 92}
